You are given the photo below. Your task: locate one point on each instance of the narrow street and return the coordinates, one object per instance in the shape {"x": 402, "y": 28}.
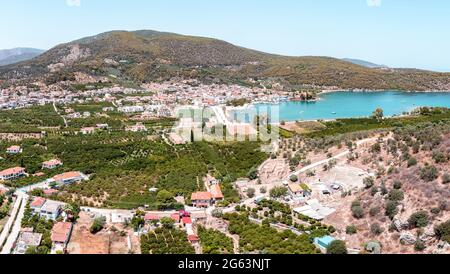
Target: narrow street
{"x": 10, "y": 221}
{"x": 22, "y": 200}
{"x": 57, "y": 112}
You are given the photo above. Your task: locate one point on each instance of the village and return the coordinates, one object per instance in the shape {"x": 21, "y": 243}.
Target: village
{"x": 147, "y": 97}
{"x": 314, "y": 198}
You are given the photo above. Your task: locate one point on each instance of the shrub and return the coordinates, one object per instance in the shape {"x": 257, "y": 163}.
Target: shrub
{"x": 419, "y": 246}
{"x": 369, "y": 182}
{"x": 418, "y": 219}
{"x": 252, "y": 174}
{"x": 396, "y": 195}
{"x": 429, "y": 173}
{"x": 412, "y": 162}
{"x": 167, "y": 223}
{"x": 435, "y": 210}
{"x": 442, "y": 231}
{"x": 278, "y": 192}
{"x": 376, "y": 229}
{"x": 376, "y": 148}
{"x": 446, "y": 178}
{"x": 217, "y": 213}
{"x": 358, "y": 212}
{"x": 337, "y": 247}
{"x": 439, "y": 157}
{"x": 374, "y": 211}
{"x": 97, "y": 225}
{"x": 374, "y": 190}
{"x": 294, "y": 178}
{"x": 351, "y": 229}
{"x": 391, "y": 209}
{"x": 397, "y": 185}
{"x": 251, "y": 192}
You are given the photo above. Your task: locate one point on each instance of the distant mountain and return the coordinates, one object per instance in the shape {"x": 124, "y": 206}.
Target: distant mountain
{"x": 364, "y": 63}
{"x": 11, "y": 56}
{"x": 146, "y": 55}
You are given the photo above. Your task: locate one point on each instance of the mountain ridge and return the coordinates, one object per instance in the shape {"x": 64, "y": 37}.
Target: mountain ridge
{"x": 14, "y": 55}
{"x": 147, "y": 55}
{"x": 364, "y": 63}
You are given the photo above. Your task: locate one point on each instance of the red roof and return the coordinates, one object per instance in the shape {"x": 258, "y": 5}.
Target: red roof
{"x": 175, "y": 217}
{"x": 53, "y": 162}
{"x": 67, "y": 175}
{"x": 61, "y": 232}
{"x": 216, "y": 192}
{"x": 50, "y": 191}
{"x": 11, "y": 171}
{"x": 187, "y": 220}
{"x": 38, "y": 202}
{"x": 192, "y": 238}
{"x": 151, "y": 217}
{"x": 201, "y": 196}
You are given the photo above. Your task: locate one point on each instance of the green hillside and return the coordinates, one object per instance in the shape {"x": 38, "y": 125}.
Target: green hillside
{"x": 145, "y": 55}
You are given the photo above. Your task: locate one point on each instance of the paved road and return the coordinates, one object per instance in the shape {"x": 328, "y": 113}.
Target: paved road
{"x": 12, "y": 237}
{"x": 10, "y": 221}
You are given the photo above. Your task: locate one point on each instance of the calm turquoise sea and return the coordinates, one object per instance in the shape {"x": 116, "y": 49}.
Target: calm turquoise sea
{"x": 354, "y": 104}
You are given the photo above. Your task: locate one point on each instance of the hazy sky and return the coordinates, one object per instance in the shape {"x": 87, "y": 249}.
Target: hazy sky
{"x": 399, "y": 33}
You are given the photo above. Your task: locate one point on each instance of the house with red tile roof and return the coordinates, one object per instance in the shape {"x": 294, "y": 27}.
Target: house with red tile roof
{"x": 70, "y": 177}
{"x": 201, "y": 199}
{"x": 193, "y": 239}
{"x": 50, "y": 191}
{"x": 216, "y": 192}
{"x": 186, "y": 221}
{"x": 37, "y": 204}
{"x": 60, "y": 236}
{"x": 175, "y": 217}
{"x": 52, "y": 164}
{"x": 151, "y": 217}
{"x": 12, "y": 173}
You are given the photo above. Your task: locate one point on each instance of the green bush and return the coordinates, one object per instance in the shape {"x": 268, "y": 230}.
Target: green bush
{"x": 97, "y": 225}
{"x": 429, "y": 173}
{"x": 351, "y": 229}
{"x": 337, "y": 247}
{"x": 418, "y": 219}
{"x": 442, "y": 231}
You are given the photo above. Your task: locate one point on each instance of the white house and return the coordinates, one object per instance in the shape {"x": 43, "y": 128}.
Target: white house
{"x": 70, "y": 177}
{"x": 51, "y": 210}
{"x": 14, "y": 150}
{"x": 12, "y": 173}
{"x": 139, "y": 127}
{"x": 52, "y": 164}
{"x": 88, "y": 130}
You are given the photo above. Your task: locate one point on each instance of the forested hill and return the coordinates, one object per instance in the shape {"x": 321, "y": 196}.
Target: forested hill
{"x": 146, "y": 55}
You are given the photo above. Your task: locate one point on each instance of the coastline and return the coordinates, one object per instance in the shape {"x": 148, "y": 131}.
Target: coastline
{"x": 325, "y": 91}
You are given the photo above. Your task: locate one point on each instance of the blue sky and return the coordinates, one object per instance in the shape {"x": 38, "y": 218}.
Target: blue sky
{"x": 399, "y": 33}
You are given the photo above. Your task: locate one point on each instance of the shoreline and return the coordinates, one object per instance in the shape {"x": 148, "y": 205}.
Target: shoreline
{"x": 325, "y": 91}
